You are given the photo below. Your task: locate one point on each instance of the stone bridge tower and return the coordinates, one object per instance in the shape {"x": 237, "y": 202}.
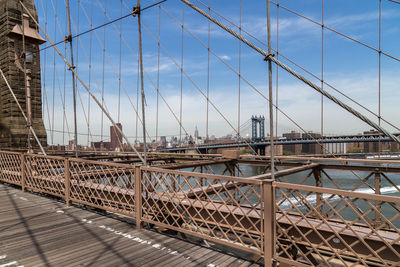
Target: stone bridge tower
{"x": 15, "y": 26}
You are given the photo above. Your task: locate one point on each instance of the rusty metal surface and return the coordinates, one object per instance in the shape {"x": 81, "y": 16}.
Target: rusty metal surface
{"x": 311, "y": 221}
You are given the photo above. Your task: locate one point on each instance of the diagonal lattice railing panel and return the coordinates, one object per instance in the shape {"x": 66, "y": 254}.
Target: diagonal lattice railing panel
{"x": 10, "y": 167}
{"x": 105, "y": 185}
{"x": 45, "y": 174}
{"x": 361, "y": 229}
{"x": 214, "y": 207}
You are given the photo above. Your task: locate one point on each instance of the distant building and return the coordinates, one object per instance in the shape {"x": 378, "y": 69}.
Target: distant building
{"x": 278, "y": 150}
{"x": 196, "y": 134}
{"x": 257, "y": 128}
{"x": 373, "y": 147}
{"x": 116, "y": 142}
{"x": 336, "y": 148}
{"x": 294, "y": 148}
{"x": 100, "y": 145}
{"x": 162, "y": 142}
{"x": 116, "y": 136}
{"x": 71, "y": 145}
{"x": 311, "y": 148}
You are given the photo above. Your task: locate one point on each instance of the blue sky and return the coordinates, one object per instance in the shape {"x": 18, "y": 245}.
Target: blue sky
{"x": 349, "y": 66}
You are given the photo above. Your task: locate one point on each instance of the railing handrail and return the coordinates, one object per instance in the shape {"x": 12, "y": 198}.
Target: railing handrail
{"x": 11, "y": 152}
{"x": 63, "y": 184}
{"x": 340, "y": 192}
{"x": 249, "y": 180}
{"x": 106, "y": 163}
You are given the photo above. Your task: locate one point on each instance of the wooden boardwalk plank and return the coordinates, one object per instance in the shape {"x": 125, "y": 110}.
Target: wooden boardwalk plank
{"x": 39, "y": 231}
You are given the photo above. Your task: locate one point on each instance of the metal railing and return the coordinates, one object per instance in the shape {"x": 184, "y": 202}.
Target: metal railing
{"x": 321, "y": 226}
{"x": 296, "y": 224}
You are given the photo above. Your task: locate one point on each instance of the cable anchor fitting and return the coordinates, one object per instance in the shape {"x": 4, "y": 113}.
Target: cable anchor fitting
{"x": 68, "y": 39}
{"x": 71, "y": 68}
{"x": 136, "y": 11}
{"x": 267, "y": 58}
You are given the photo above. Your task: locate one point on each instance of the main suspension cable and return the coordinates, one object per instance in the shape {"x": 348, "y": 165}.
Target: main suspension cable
{"x": 297, "y": 75}
{"x": 103, "y": 25}
{"x": 301, "y": 67}
{"x": 83, "y": 84}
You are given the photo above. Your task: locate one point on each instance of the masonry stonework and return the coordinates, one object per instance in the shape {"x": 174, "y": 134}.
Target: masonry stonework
{"x": 13, "y": 127}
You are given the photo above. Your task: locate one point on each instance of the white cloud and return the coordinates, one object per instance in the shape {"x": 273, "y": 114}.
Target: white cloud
{"x": 297, "y": 100}
{"x": 225, "y": 57}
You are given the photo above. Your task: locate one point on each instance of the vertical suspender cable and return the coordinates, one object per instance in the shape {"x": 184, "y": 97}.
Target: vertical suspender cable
{"x": 137, "y": 96}
{"x": 277, "y": 70}
{"x": 104, "y": 58}
{"x": 82, "y": 83}
{"x": 90, "y": 68}
{"x": 64, "y": 97}
{"x": 322, "y": 70}
{"x": 120, "y": 67}
{"x": 181, "y": 95}
{"x": 158, "y": 67}
{"x": 77, "y": 63}
{"x": 271, "y": 110}
{"x": 44, "y": 68}
{"x": 239, "y": 67}
{"x": 317, "y": 88}
{"x": 379, "y": 79}
{"x": 54, "y": 81}
{"x": 142, "y": 84}
{"x": 208, "y": 67}
{"x": 73, "y": 80}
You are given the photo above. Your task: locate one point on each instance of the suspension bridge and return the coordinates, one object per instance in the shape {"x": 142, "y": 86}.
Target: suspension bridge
{"x": 147, "y": 70}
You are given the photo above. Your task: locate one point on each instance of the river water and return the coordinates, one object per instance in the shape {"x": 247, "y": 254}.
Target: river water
{"x": 360, "y": 210}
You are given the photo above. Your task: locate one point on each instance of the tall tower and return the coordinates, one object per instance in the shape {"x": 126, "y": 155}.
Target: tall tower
{"x": 16, "y": 26}
{"x": 116, "y": 137}
{"x": 196, "y": 134}
{"x": 257, "y": 128}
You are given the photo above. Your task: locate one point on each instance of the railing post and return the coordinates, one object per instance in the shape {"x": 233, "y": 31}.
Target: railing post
{"x": 318, "y": 183}
{"x": 269, "y": 223}
{"x": 23, "y": 172}
{"x": 138, "y": 196}
{"x": 67, "y": 177}
{"x": 378, "y": 204}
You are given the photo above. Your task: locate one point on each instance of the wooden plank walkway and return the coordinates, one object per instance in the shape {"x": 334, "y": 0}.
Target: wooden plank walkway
{"x": 38, "y": 231}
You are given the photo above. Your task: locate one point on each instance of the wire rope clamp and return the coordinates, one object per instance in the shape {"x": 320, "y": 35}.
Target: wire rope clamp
{"x": 68, "y": 39}
{"x": 136, "y": 11}
{"x": 267, "y": 58}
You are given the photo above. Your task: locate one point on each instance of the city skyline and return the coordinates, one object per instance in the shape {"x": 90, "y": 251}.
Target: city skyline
{"x": 356, "y": 78}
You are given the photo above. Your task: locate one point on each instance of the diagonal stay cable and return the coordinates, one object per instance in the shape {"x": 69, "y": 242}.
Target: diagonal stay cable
{"x": 337, "y": 32}
{"x": 254, "y": 88}
{"x": 297, "y": 75}
{"x": 94, "y": 76}
{"x": 301, "y": 67}
{"x": 198, "y": 88}
{"x": 102, "y": 25}
{"x": 83, "y": 84}
{"x": 22, "y": 111}
{"x": 113, "y": 67}
{"x": 246, "y": 81}
{"x": 157, "y": 89}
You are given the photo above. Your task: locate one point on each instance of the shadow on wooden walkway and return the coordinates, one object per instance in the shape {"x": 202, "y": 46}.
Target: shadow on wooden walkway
{"x": 38, "y": 231}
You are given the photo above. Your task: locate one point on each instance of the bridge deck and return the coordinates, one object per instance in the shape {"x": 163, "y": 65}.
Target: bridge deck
{"x": 37, "y": 231}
